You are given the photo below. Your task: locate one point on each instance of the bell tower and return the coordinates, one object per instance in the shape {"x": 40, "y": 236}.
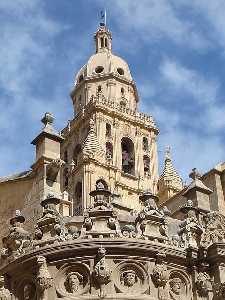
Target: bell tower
{"x": 109, "y": 141}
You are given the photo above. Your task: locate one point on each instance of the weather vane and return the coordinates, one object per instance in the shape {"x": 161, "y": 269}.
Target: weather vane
{"x": 103, "y": 17}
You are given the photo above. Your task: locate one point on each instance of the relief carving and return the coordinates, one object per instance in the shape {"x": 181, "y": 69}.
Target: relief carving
{"x": 203, "y": 282}
{"x": 214, "y": 229}
{"x": 44, "y": 279}
{"x": 131, "y": 278}
{"x": 29, "y": 291}
{"x": 72, "y": 280}
{"x": 175, "y": 291}
{"x": 102, "y": 273}
{"x": 160, "y": 277}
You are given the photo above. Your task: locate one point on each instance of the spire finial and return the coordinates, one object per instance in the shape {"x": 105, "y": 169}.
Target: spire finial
{"x": 168, "y": 153}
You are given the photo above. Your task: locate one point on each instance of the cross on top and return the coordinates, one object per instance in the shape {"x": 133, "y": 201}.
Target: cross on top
{"x": 195, "y": 174}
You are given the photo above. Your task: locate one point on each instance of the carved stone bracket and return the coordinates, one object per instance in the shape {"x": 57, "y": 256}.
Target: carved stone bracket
{"x": 101, "y": 273}
{"x": 44, "y": 279}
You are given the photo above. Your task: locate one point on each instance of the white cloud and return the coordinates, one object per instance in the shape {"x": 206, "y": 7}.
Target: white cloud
{"x": 157, "y": 20}
{"x": 189, "y": 81}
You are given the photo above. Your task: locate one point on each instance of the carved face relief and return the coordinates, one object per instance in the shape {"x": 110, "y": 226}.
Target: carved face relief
{"x": 175, "y": 288}
{"x": 74, "y": 280}
{"x": 28, "y": 291}
{"x": 129, "y": 278}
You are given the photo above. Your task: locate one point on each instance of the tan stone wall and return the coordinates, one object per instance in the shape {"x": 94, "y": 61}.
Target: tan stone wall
{"x": 19, "y": 195}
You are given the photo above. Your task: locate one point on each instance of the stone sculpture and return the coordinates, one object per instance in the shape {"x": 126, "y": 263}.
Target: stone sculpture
{"x": 175, "y": 289}
{"x": 4, "y": 293}
{"x": 102, "y": 273}
{"x": 160, "y": 277}
{"x": 44, "y": 279}
{"x": 74, "y": 282}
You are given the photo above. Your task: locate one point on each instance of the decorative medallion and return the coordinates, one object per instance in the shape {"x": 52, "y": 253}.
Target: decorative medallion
{"x": 131, "y": 277}
{"x": 72, "y": 280}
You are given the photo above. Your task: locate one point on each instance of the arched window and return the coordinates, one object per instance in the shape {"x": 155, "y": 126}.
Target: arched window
{"x": 122, "y": 91}
{"x": 109, "y": 150}
{"x": 102, "y": 42}
{"x": 101, "y": 183}
{"x": 81, "y": 78}
{"x": 79, "y": 102}
{"x": 76, "y": 154}
{"x": 106, "y": 42}
{"x": 128, "y": 157}
{"x": 66, "y": 156}
{"x": 77, "y": 199}
{"x": 145, "y": 144}
{"x": 65, "y": 178}
{"x": 108, "y": 130}
{"x": 146, "y": 161}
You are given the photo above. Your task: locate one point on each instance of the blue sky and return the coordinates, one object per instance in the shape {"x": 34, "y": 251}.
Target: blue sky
{"x": 175, "y": 50}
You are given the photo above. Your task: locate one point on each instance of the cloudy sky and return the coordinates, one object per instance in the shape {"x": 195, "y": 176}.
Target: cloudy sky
{"x": 176, "y": 53}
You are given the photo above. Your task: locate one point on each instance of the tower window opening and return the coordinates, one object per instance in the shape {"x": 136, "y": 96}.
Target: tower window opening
{"x": 128, "y": 161}
{"x": 109, "y": 150}
{"x": 146, "y": 161}
{"x": 108, "y": 130}
{"x": 102, "y": 42}
{"x": 145, "y": 144}
{"x": 106, "y": 42}
{"x": 77, "y": 204}
{"x": 76, "y": 153}
{"x": 122, "y": 91}
{"x": 120, "y": 71}
{"x": 99, "y": 89}
{"x": 99, "y": 69}
{"x": 79, "y": 102}
{"x": 65, "y": 156}
{"x": 66, "y": 178}
{"x": 81, "y": 78}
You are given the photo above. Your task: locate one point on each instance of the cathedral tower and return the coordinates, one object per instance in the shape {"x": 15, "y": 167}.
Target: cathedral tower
{"x": 108, "y": 140}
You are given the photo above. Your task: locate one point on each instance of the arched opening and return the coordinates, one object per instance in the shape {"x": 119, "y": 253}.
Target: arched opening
{"x": 76, "y": 154}
{"x": 65, "y": 178}
{"x": 65, "y": 156}
{"x": 102, "y": 42}
{"x": 106, "y": 42}
{"x": 101, "y": 183}
{"x": 109, "y": 150}
{"x": 122, "y": 91}
{"x": 120, "y": 71}
{"x": 128, "y": 156}
{"x": 77, "y": 204}
{"x": 99, "y": 69}
{"x": 108, "y": 130}
{"x": 145, "y": 144}
{"x": 146, "y": 161}
{"x": 81, "y": 78}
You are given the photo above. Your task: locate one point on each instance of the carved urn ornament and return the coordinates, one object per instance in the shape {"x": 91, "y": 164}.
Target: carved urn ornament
{"x": 18, "y": 239}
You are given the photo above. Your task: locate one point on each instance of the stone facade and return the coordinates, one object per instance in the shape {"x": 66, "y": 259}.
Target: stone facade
{"x": 93, "y": 220}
